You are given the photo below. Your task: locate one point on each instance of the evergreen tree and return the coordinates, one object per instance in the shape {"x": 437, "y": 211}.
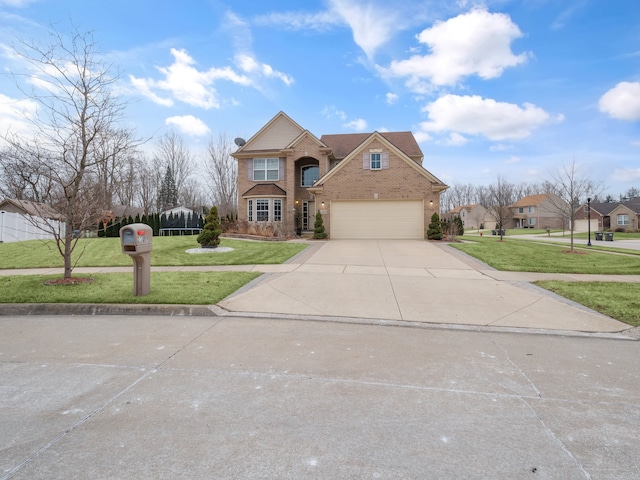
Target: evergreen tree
{"x": 458, "y": 224}
{"x": 101, "y": 229}
{"x": 210, "y": 235}
{"x": 168, "y": 195}
{"x": 318, "y": 227}
{"x": 434, "y": 231}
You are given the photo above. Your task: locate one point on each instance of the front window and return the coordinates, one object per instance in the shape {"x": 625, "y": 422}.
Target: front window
{"x": 277, "y": 210}
{"x": 532, "y": 209}
{"x": 376, "y": 164}
{"x": 520, "y": 209}
{"x": 532, "y": 221}
{"x": 309, "y": 175}
{"x": 623, "y": 219}
{"x": 262, "y": 210}
{"x": 266, "y": 169}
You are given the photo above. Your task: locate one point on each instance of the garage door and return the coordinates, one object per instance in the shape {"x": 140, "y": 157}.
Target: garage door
{"x": 383, "y": 219}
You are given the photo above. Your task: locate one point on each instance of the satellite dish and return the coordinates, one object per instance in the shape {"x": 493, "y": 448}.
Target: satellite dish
{"x": 239, "y": 141}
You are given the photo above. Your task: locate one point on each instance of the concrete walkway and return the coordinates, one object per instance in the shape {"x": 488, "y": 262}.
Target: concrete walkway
{"x": 400, "y": 281}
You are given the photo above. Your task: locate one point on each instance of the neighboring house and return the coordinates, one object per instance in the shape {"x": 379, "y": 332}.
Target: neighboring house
{"x": 472, "y": 216}
{"x": 539, "y": 211}
{"x": 365, "y": 185}
{"x": 23, "y": 220}
{"x": 613, "y": 215}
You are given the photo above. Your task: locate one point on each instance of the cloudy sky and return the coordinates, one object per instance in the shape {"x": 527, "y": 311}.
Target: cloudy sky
{"x": 501, "y": 87}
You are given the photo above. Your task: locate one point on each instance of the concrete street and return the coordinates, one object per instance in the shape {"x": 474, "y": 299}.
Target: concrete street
{"x": 206, "y": 397}
{"x": 355, "y": 360}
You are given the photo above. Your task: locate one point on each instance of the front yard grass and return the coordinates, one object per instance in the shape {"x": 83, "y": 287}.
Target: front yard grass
{"x": 167, "y": 251}
{"x": 614, "y": 299}
{"x": 528, "y": 256}
{"x": 185, "y": 288}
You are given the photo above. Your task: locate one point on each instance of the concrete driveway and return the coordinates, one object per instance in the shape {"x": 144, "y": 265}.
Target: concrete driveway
{"x": 414, "y": 281}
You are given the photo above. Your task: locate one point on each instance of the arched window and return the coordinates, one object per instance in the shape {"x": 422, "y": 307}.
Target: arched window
{"x": 309, "y": 174}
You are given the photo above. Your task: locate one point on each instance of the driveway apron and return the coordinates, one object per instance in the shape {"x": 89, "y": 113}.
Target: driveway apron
{"x": 414, "y": 281}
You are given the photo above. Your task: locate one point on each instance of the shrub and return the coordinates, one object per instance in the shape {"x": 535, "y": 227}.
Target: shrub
{"x": 318, "y": 228}
{"x": 210, "y": 235}
{"x": 434, "y": 231}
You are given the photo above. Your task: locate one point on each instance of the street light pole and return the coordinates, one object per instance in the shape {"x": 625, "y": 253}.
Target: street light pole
{"x": 589, "y": 220}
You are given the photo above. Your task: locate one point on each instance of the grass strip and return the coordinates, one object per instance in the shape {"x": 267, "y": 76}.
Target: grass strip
{"x": 183, "y": 288}
{"x": 614, "y": 299}
{"x": 167, "y": 251}
{"x": 527, "y": 256}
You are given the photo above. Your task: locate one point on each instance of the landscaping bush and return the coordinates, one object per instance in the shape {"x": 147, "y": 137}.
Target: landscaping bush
{"x": 210, "y": 235}
{"x": 434, "y": 232}
{"x": 318, "y": 228}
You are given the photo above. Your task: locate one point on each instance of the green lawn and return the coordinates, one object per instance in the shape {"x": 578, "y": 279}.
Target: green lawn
{"x": 617, "y": 300}
{"x": 167, "y": 251}
{"x": 190, "y": 288}
{"x": 528, "y": 256}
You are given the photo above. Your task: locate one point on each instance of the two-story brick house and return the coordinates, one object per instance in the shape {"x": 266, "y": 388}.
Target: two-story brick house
{"x": 365, "y": 185}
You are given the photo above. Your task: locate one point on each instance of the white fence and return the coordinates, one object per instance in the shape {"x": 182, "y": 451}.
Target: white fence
{"x": 15, "y": 227}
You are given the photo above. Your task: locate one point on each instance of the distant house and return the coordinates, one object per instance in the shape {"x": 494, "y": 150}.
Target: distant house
{"x": 539, "y": 211}
{"x": 22, "y": 220}
{"x": 613, "y": 215}
{"x": 472, "y": 216}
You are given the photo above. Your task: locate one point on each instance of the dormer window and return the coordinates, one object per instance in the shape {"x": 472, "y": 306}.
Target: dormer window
{"x": 309, "y": 175}
{"x": 376, "y": 163}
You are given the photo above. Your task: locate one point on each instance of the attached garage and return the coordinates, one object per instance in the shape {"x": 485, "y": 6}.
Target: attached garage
{"x": 377, "y": 219}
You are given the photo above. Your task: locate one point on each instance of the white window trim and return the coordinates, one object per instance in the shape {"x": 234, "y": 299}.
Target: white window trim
{"x": 266, "y": 170}
{"x": 252, "y": 209}
{"x": 624, "y": 218}
{"x": 532, "y": 209}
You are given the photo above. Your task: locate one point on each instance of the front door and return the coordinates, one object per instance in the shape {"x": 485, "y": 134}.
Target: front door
{"x": 308, "y": 214}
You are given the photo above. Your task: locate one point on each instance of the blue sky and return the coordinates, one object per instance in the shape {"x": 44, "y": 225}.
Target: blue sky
{"x": 505, "y": 87}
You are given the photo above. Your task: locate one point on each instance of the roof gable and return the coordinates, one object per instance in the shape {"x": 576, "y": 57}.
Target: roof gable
{"x": 279, "y": 132}
{"x": 343, "y": 144}
{"x": 381, "y": 138}
{"x": 265, "y": 190}
{"x": 306, "y": 134}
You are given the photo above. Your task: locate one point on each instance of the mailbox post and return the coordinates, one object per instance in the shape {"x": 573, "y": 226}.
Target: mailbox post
{"x": 136, "y": 240}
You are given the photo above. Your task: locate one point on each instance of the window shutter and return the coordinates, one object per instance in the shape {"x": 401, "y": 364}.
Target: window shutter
{"x": 250, "y": 169}
{"x": 281, "y": 169}
{"x": 385, "y": 159}
{"x": 366, "y": 162}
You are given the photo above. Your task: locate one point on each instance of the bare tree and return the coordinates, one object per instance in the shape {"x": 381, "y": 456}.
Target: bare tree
{"x": 571, "y": 188}
{"x": 25, "y": 174}
{"x": 222, "y": 170}
{"x": 148, "y": 181}
{"x": 500, "y": 197}
{"x": 77, "y": 108}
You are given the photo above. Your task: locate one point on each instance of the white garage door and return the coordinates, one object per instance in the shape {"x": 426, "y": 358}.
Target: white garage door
{"x": 381, "y": 219}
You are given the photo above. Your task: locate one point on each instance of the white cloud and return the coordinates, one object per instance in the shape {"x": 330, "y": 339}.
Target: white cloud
{"x": 474, "y": 43}
{"x": 474, "y": 115}
{"x": 189, "y": 125}
{"x": 512, "y": 159}
{"x": 320, "y": 21}
{"x": 248, "y": 64}
{"x": 422, "y": 137}
{"x": 635, "y": 143}
{"x": 332, "y": 111}
{"x": 15, "y": 115}
{"x": 184, "y": 82}
{"x": 626, "y": 174}
{"x": 392, "y": 98}
{"x": 372, "y": 25}
{"x": 622, "y": 101}
{"x": 455, "y": 140}
{"x": 16, "y": 3}
{"x": 500, "y": 147}
{"x": 359, "y": 125}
